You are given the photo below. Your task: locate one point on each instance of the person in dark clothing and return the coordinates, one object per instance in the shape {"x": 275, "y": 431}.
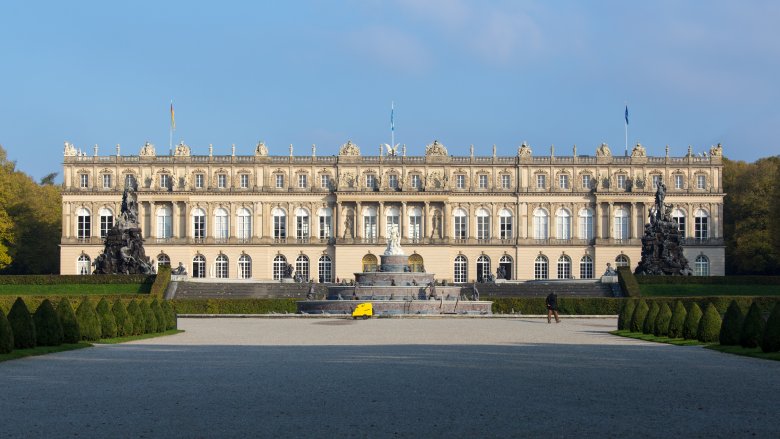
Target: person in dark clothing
{"x": 552, "y": 307}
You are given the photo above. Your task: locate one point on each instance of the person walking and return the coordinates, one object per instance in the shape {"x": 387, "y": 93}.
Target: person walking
{"x": 552, "y": 307}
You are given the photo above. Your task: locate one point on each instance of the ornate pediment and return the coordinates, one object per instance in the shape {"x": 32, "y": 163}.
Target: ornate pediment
{"x": 350, "y": 149}
{"x": 603, "y": 151}
{"x": 639, "y": 151}
{"x": 716, "y": 151}
{"x": 182, "y": 150}
{"x": 261, "y": 150}
{"x": 436, "y": 149}
{"x": 524, "y": 150}
{"x": 147, "y": 150}
{"x": 70, "y": 150}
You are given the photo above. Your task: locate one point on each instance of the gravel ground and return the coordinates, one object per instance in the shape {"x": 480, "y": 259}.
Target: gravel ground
{"x": 390, "y": 378}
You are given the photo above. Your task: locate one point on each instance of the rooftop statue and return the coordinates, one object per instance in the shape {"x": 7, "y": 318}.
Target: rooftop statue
{"x": 436, "y": 149}
{"x": 349, "y": 148}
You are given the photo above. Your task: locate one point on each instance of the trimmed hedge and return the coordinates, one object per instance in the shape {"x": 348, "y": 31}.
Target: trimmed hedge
{"x": 139, "y": 322}
{"x": 640, "y": 314}
{"x": 648, "y": 327}
{"x": 770, "y": 341}
{"x": 279, "y": 306}
{"x": 33, "y": 302}
{"x": 108, "y": 327}
{"x": 732, "y": 325}
{"x": 150, "y": 321}
{"x": 170, "y": 315}
{"x": 161, "y": 281}
{"x": 691, "y": 325}
{"x": 89, "y": 323}
{"x": 678, "y": 320}
{"x": 662, "y": 321}
{"x": 752, "y": 328}
{"x": 628, "y": 282}
{"x": 70, "y": 325}
{"x": 708, "y": 280}
{"x": 48, "y": 328}
{"x": 624, "y": 318}
{"x": 162, "y": 323}
{"x": 6, "y": 336}
{"x": 53, "y": 279}
{"x": 22, "y": 325}
{"x": 124, "y": 322}
{"x": 709, "y": 325}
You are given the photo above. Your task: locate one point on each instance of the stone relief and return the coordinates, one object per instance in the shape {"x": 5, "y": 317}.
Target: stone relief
{"x": 147, "y": 150}
{"x": 261, "y": 150}
{"x": 603, "y": 151}
{"x": 435, "y": 149}
{"x": 716, "y": 151}
{"x": 349, "y": 149}
{"x": 524, "y": 151}
{"x": 639, "y": 151}
{"x": 182, "y": 150}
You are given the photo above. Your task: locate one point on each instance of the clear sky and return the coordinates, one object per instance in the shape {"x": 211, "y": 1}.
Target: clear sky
{"x": 463, "y": 72}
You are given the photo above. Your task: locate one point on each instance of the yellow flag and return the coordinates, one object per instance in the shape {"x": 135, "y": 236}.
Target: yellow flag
{"x": 173, "y": 120}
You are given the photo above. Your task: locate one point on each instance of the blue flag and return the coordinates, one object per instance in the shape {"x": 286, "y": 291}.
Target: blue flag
{"x": 626, "y": 114}
{"x": 392, "y": 124}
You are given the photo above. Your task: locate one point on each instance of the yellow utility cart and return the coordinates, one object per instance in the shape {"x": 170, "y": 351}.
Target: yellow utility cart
{"x": 364, "y": 310}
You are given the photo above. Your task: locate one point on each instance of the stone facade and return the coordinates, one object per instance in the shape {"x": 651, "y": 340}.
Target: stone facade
{"x": 461, "y": 216}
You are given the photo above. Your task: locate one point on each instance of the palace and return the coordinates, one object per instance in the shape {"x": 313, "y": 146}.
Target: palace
{"x": 461, "y": 218}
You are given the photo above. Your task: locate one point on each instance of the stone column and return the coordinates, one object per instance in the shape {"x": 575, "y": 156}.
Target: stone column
{"x": 403, "y": 221}
{"x": 426, "y": 228}
{"x": 633, "y": 221}
{"x": 597, "y": 218}
{"x": 522, "y": 221}
{"x": 232, "y": 222}
{"x": 358, "y": 220}
{"x": 446, "y": 222}
{"x": 338, "y": 227}
{"x": 67, "y": 220}
{"x": 188, "y": 233}
{"x": 610, "y": 220}
{"x": 175, "y": 219}
{"x": 495, "y": 223}
{"x": 380, "y": 221}
{"x": 142, "y": 219}
{"x": 689, "y": 221}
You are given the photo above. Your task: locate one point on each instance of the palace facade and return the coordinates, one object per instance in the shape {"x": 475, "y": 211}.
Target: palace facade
{"x": 248, "y": 216}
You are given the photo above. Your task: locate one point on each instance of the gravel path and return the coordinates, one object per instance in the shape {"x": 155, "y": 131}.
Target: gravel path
{"x": 390, "y": 378}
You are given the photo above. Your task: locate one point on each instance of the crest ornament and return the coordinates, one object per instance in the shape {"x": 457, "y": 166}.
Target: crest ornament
{"x": 603, "y": 151}
{"x": 147, "y": 150}
{"x": 261, "y": 150}
{"x": 349, "y": 148}
{"x": 524, "y": 150}
{"x": 639, "y": 151}
{"x": 435, "y": 149}
{"x": 182, "y": 150}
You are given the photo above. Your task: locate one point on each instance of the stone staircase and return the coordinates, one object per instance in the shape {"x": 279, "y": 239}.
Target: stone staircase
{"x": 567, "y": 288}
{"x": 242, "y": 290}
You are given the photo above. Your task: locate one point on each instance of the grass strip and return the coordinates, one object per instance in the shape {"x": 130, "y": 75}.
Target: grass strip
{"x": 42, "y": 350}
{"x": 116, "y": 340}
{"x": 747, "y": 352}
{"x": 73, "y": 289}
{"x": 653, "y": 338}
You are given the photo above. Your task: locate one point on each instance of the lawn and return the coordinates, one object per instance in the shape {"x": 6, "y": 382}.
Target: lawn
{"x": 651, "y": 337}
{"x": 694, "y": 290}
{"x": 74, "y": 289}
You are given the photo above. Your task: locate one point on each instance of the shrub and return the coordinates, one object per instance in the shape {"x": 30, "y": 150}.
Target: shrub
{"x": 648, "y": 327}
{"x": 22, "y": 325}
{"x": 108, "y": 327}
{"x": 161, "y": 281}
{"x": 150, "y": 321}
{"x": 135, "y": 312}
{"x": 48, "y": 328}
{"x": 89, "y": 323}
{"x": 288, "y": 305}
{"x": 709, "y": 325}
{"x": 662, "y": 321}
{"x": 678, "y": 320}
{"x": 770, "y": 341}
{"x": 170, "y": 315}
{"x": 640, "y": 314}
{"x": 70, "y": 325}
{"x": 691, "y": 325}
{"x": 6, "y": 336}
{"x": 628, "y": 282}
{"x": 124, "y": 322}
{"x": 732, "y": 325}
{"x": 752, "y": 328}
{"x": 624, "y": 319}
{"x": 158, "y": 315}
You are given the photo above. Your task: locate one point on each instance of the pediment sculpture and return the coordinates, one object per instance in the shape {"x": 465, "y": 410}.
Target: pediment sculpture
{"x": 639, "y": 151}
{"x": 524, "y": 150}
{"x": 147, "y": 150}
{"x": 261, "y": 150}
{"x": 436, "y": 149}
{"x": 603, "y": 151}
{"x": 182, "y": 150}
{"x": 349, "y": 148}
{"x": 716, "y": 151}
{"x": 70, "y": 150}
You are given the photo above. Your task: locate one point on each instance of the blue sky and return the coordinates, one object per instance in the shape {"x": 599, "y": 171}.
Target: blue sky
{"x": 463, "y": 72}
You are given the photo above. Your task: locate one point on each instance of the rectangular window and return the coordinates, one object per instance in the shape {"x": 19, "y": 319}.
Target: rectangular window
{"x": 165, "y": 181}
{"x": 563, "y": 181}
{"x": 163, "y": 226}
{"x": 279, "y": 181}
{"x": 392, "y": 181}
{"x": 106, "y": 223}
{"x": 369, "y": 227}
{"x": 325, "y": 181}
{"x": 106, "y": 181}
{"x": 621, "y": 227}
{"x": 505, "y": 227}
{"x": 586, "y": 227}
{"x": 415, "y": 181}
{"x": 483, "y": 181}
{"x": 506, "y": 181}
{"x": 701, "y": 225}
{"x": 563, "y": 226}
{"x": 678, "y": 182}
{"x": 221, "y": 181}
{"x": 221, "y": 227}
{"x": 303, "y": 181}
{"x": 701, "y": 181}
{"x": 415, "y": 227}
{"x": 621, "y": 181}
{"x": 392, "y": 222}
{"x": 460, "y": 181}
{"x": 483, "y": 227}
{"x": 302, "y": 226}
{"x": 198, "y": 181}
{"x": 656, "y": 181}
{"x": 84, "y": 227}
{"x": 199, "y": 226}
{"x": 541, "y": 181}
{"x": 84, "y": 180}
{"x": 586, "y": 181}
{"x": 244, "y": 227}
{"x": 370, "y": 181}
{"x": 325, "y": 221}
{"x": 680, "y": 220}
{"x": 460, "y": 227}
{"x": 243, "y": 180}
{"x": 280, "y": 227}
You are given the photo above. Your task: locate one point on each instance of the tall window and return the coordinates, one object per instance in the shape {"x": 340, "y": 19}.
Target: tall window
{"x": 83, "y": 223}
{"x": 541, "y": 181}
{"x": 325, "y": 269}
{"x": 586, "y": 181}
{"x": 415, "y": 223}
{"x": 586, "y": 224}
{"x": 483, "y": 224}
{"x": 302, "y": 224}
{"x": 564, "y": 267}
{"x": 83, "y": 265}
{"x": 415, "y": 181}
{"x": 369, "y": 223}
{"x": 222, "y": 181}
{"x": 325, "y": 181}
{"x": 563, "y": 181}
{"x": 279, "y": 223}
{"x": 541, "y": 270}
{"x": 393, "y": 220}
{"x": 198, "y": 223}
{"x": 302, "y": 268}
{"x": 198, "y": 181}
{"x": 245, "y": 267}
{"x": 244, "y": 224}
{"x": 701, "y": 224}
{"x": 679, "y": 182}
{"x": 621, "y": 181}
{"x": 221, "y": 267}
{"x": 243, "y": 181}
{"x": 84, "y": 180}
{"x": 165, "y": 181}
{"x": 370, "y": 181}
{"x": 163, "y": 222}
{"x": 540, "y": 224}
{"x": 586, "y": 267}
{"x": 326, "y": 219}
{"x": 279, "y": 181}
{"x": 221, "y": 220}
{"x": 460, "y": 181}
{"x": 505, "y": 224}
{"x": 129, "y": 180}
{"x": 678, "y": 216}
{"x": 701, "y": 181}
{"x": 702, "y": 266}
{"x": 563, "y": 224}
{"x": 280, "y": 263}
{"x": 460, "y": 269}
{"x": 303, "y": 181}
{"x": 483, "y": 181}
{"x": 506, "y": 181}
{"x": 199, "y": 266}
{"x": 621, "y": 223}
{"x": 506, "y": 263}
{"x": 106, "y": 221}
{"x": 106, "y": 181}
{"x": 460, "y": 223}
{"x": 622, "y": 261}
{"x": 392, "y": 181}
{"x": 483, "y": 268}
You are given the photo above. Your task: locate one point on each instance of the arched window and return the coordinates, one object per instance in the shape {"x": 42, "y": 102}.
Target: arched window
{"x": 622, "y": 261}
{"x": 586, "y": 267}
{"x": 163, "y": 222}
{"x": 564, "y": 267}
{"x": 506, "y": 264}
{"x": 460, "y": 223}
{"x": 483, "y": 268}
{"x": 416, "y": 263}
{"x": 505, "y": 224}
{"x": 393, "y": 220}
{"x": 302, "y": 268}
{"x": 163, "y": 260}
{"x": 586, "y": 224}
{"x": 302, "y": 225}
{"x": 541, "y": 269}
{"x": 563, "y": 224}
{"x": 415, "y": 224}
{"x": 540, "y": 224}
{"x": 325, "y": 269}
{"x": 621, "y": 223}
{"x": 460, "y": 271}
{"x": 325, "y": 215}
{"x": 221, "y": 267}
{"x": 280, "y": 263}
{"x": 83, "y": 265}
{"x": 279, "y": 224}
{"x": 678, "y": 216}
{"x": 701, "y": 224}
{"x": 244, "y": 267}
{"x": 221, "y": 220}
{"x": 199, "y": 266}
{"x": 369, "y": 223}
{"x": 198, "y": 224}
{"x": 106, "y": 221}
{"x": 244, "y": 224}
{"x": 83, "y": 223}
{"x": 483, "y": 224}
{"x": 369, "y": 263}
{"x": 702, "y": 266}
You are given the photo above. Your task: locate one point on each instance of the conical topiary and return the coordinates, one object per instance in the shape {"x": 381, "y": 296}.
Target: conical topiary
{"x": 22, "y": 325}
{"x": 624, "y": 319}
{"x": 678, "y": 320}
{"x": 691, "y": 325}
{"x": 648, "y": 327}
{"x": 158, "y": 315}
{"x": 709, "y": 325}
{"x": 107, "y": 320}
{"x": 638, "y": 319}
{"x": 139, "y": 323}
{"x": 170, "y": 314}
{"x": 89, "y": 323}
{"x": 662, "y": 321}
{"x": 770, "y": 341}
{"x": 70, "y": 325}
{"x": 150, "y": 320}
{"x": 6, "y": 336}
{"x": 124, "y": 322}
{"x": 48, "y": 328}
{"x": 752, "y": 328}
{"x": 731, "y": 327}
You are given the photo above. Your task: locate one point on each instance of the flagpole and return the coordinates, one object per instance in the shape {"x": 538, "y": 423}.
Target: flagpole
{"x": 626, "y": 125}
{"x": 392, "y": 125}
{"x": 170, "y": 131}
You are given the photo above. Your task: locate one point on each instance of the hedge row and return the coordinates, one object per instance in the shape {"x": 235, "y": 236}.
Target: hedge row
{"x": 566, "y": 305}
{"x": 161, "y": 281}
{"x": 235, "y": 306}
{"x": 708, "y": 280}
{"x": 53, "y": 279}
{"x": 35, "y": 301}
{"x": 628, "y": 282}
